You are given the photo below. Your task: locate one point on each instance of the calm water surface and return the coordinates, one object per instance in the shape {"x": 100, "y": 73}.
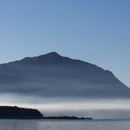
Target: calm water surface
{"x": 64, "y": 125}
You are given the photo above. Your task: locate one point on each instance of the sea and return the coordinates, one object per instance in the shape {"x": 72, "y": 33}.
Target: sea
{"x": 64, "y": 124}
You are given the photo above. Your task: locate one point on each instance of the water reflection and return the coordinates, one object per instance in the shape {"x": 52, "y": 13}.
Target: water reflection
{"x": 19, "y": 125}
{"x": 63, "y": 125}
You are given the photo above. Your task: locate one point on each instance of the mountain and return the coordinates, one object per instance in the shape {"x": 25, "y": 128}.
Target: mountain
{"x": 52, "y": 75}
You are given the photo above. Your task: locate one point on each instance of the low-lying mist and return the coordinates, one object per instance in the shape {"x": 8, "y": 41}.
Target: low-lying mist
{"x": 96, "y": 108}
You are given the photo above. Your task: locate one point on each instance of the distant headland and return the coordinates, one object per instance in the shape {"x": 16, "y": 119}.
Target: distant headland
{"x": 14, "y": 112}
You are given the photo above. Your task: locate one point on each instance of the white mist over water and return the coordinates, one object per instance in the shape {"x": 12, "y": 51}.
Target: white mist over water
{"x": 96, "y": 108}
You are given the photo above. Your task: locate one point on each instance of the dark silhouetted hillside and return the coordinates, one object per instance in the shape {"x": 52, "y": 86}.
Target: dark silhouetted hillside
{"x": 8, "y": 112}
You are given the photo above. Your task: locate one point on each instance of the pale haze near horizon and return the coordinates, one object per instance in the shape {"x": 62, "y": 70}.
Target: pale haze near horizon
{"x": 98, "y": 109}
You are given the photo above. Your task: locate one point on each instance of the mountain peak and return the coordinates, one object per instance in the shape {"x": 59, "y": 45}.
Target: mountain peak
{"x": 42, "y": 59}
{"x": 51, "y": 54}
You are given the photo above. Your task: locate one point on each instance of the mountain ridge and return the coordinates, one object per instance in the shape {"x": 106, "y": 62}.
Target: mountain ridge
{"x": 54, "y": 55}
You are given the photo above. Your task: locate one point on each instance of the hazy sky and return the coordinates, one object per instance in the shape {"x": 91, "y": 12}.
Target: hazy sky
{"x": 97, "y": 31}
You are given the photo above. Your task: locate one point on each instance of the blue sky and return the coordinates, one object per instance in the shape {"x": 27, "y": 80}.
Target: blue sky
{"x": 96, "y": 31}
